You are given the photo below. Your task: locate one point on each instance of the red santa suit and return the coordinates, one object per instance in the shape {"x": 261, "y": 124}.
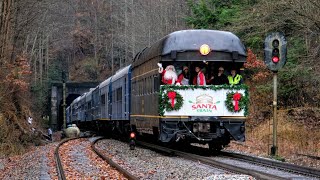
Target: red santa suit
{"x": 169, "y": 76}
{"x": 182, "y": 80}
{"x": 201, "y": 79}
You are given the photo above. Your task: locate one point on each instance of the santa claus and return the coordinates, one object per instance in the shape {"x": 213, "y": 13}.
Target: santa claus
{"x": 169, "y": 75}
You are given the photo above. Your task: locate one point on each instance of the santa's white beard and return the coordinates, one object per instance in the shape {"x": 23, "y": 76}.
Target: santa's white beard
{"x": 170, "y": 75}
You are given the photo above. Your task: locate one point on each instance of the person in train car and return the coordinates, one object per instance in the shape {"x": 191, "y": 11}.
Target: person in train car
{"x": 210, "y": 78}
{"x": 209, "y": 75}
{"x": 234, "y": 78}
{"x": 169, "y": 75}
{"x": 183, "y": 77}
{"x": 221, "y": 78}
{"x": 200, "y": 79}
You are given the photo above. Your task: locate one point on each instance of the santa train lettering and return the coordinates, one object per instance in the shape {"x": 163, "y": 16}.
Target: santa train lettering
{"x": 204, "y": 107}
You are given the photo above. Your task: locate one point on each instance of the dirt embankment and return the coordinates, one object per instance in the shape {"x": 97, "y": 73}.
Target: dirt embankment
{"x": 298, "y": 134}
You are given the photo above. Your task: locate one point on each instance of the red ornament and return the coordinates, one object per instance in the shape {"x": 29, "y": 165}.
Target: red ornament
{"x": 236, "y": 98}
{"x": 172, "y": 96}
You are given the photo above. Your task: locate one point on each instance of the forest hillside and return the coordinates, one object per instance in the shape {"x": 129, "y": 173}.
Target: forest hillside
{"x": 299, "y": 80}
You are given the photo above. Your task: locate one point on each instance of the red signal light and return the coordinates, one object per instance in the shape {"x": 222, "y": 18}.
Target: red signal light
{"x": 132, "y": 135}
{"x": 275, "y": 59}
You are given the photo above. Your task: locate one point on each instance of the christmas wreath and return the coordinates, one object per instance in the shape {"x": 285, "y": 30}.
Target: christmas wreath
{"x": 169, "y": 100}
{"x": 235, "y": 102}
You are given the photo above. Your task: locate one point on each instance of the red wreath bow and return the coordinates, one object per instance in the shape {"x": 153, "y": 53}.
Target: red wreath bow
{"x": 172, "y": 96}
{"x": 236, "y": 98}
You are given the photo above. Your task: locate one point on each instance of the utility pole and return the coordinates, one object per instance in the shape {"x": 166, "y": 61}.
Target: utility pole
{"x": 274, "y": 147}
{"x": 64, "y": 99}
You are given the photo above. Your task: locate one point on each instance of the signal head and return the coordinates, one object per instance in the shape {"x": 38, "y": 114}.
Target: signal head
{"x": 275, "y": 51}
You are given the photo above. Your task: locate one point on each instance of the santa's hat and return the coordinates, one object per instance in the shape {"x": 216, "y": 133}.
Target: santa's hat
{"x": 185, "y": 67}
{"x": 170, "y": 67}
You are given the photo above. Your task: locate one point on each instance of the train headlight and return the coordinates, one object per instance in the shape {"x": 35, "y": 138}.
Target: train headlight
{"x": 205, "y": 49}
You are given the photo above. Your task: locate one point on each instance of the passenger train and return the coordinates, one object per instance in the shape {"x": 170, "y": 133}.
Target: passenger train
{"x": 135, "y": 100}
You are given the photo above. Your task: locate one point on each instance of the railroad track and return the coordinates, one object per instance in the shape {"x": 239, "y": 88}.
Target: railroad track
{"x": 311, "y": 172}
{"x": 112, "y": 163}
{"x": 232, "y": 167}
{"x": 309, "y": 156}
{"x": 60, "y": 170}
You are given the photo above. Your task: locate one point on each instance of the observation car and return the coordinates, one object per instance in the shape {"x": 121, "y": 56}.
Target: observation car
{"x": 134, "y": 99}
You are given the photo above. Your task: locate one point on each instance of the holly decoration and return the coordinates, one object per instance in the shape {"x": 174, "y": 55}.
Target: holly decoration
{"x": 169, "y": 100}
{"x": 235, "y": 102}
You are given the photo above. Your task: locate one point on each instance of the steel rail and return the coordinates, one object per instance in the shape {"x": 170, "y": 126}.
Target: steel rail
{"x": 61, "y": 174}
{"x": 126, "y": 173}
{"x": 309, "y": 156}
{"x": 212, "y": 162}
{"x": 281, "y": 165}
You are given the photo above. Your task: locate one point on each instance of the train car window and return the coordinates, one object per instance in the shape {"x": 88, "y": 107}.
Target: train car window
{"x": 149, "y": 85}
{"x": 89, "y": 105}
{"x": 144, "y": 87}
{"x": 145, "y": 83}
{"x": 137, "y": 88}
{"x": 156, "y": 83}
{"x": 133, "y": 88}
{"x": 140, "y": 87}
{"x": 119, "y": 94}
{"x": 103, "y": 99}
{"x": 113, "y": 96}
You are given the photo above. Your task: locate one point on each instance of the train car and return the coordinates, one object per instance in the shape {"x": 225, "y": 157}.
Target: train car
{"x": 204, "y": 114}
{"x": 81, "y": 109}
{"x": 96, "y": 104}
{"x": 88, "y": 106}
{"x": 107, "y": 107}
{"x": 105, "y": 98}
{"x": 135, "y": 99}
{"x": 74, "y": 110}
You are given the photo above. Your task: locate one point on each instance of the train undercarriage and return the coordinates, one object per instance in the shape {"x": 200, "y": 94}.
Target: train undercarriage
{"x": 216, "y": 133}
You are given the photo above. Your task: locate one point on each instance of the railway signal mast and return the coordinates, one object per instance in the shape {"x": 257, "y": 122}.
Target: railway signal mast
{"x": 275, "y": 52}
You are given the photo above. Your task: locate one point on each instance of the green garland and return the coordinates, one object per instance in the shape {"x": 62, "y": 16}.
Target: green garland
{"x": 243, "y": 103}
{"x": 167, "y": 101}
{"x": 166, "y": 88}
{"x": 208, "y": 87}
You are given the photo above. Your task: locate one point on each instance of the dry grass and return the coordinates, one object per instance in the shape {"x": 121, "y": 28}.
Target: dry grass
{"x": 9, "y": 139}
{"x": 293, "y": 137}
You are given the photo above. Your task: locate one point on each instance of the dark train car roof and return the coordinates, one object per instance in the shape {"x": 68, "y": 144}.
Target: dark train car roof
{"x": 191, "y": 40}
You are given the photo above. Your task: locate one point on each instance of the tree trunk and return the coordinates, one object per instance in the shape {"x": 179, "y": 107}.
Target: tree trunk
{"x": 5, "y": 29}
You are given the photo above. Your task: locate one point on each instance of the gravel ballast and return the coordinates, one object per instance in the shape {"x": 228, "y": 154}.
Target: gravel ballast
{"x": 147, "y": 164}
